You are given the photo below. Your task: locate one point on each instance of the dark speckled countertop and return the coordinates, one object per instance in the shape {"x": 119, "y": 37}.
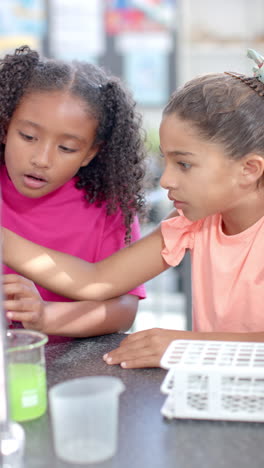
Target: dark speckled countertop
{"x": 146, "y": 439}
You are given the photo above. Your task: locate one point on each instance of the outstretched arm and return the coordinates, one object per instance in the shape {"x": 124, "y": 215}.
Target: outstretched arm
{"x": 72, "y": 277}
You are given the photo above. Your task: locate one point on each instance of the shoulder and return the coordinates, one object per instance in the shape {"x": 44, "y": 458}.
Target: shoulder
{"x": 176, "y": 221}
{"x": 179, "y": 235}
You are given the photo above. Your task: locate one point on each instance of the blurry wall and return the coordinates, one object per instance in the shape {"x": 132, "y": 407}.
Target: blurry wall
{"x": 134, "y": 39}
{"x": 213, "y": 35}
{"x": 154, "y": 45}
{"x": 22, "y": 22}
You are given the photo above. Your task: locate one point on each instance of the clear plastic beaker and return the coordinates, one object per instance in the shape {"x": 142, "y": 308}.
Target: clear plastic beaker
{"x": 84, "y": 414}
{"x": 26, "y": 374}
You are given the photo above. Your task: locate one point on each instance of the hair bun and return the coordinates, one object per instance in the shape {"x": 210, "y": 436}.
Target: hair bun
{"x": 30, "y": 55}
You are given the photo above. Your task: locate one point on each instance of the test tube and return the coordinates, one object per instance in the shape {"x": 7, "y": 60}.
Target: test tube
{"x": 12, "y": 437}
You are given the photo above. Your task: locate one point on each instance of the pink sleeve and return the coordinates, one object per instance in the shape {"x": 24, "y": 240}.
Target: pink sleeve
{"x": 178, "y": 235}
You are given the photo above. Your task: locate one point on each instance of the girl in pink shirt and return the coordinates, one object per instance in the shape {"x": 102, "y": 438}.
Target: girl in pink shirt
{"x": 212, "y": 142}
{"x": 71, "y": 179}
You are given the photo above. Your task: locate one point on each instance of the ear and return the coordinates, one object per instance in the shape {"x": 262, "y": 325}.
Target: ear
{"x": 252, "y": 168}
{"x": 91, "y": 154}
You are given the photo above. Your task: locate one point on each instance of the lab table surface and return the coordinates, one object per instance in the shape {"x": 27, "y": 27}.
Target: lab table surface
{"x": 146, "y": 439}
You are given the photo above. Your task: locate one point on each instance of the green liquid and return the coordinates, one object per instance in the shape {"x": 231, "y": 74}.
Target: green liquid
{"x": 27, "y": 391}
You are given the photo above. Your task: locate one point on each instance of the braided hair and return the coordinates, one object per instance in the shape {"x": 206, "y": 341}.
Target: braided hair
{"x": 116, "y": 174}
{"x": 225, "y": 108}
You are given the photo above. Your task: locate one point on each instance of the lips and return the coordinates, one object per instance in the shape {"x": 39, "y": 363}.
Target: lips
{"x": 178, "y": 204}
{"x": 34, "y": 181}
{"x": 174, "y": 200}
{"x": 36, "y": 176}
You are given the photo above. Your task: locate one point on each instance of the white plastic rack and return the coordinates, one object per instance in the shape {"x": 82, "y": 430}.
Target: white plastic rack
{"x": 214, "y": 380}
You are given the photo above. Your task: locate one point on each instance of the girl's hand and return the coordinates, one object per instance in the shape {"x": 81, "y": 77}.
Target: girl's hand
{"x": 144, "y": 348}
{"x": 23, "y": 302}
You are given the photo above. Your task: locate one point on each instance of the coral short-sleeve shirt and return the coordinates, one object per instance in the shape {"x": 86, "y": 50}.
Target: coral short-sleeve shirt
{"x": 227, "y": 272}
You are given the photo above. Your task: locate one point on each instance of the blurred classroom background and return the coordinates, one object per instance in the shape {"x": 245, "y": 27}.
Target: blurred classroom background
{"x": 154, "y": 46}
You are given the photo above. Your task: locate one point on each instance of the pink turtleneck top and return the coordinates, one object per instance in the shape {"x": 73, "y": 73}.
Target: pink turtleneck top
{"x": 64, "y": 220}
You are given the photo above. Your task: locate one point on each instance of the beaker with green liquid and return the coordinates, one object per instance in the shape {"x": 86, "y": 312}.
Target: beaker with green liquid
{"x": 26, "y": 374}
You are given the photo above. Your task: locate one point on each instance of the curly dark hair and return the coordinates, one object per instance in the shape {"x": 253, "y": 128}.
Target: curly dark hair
{"x": 117, "y": 172}
{"x": 226, "y": 108}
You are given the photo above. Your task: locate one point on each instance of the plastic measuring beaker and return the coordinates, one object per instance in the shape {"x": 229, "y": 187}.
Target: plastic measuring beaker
{"x": 84, "y": 414}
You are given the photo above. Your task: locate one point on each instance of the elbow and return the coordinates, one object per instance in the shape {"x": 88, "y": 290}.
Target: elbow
{"x": 129, "y": 306}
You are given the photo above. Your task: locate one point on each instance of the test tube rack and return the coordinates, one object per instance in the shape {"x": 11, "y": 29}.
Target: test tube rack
{"x": 214, "y": 380}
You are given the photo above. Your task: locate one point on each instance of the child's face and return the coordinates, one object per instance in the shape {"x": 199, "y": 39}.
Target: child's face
{"x": 201, "y": 180}
{"x": 50, "y": 136}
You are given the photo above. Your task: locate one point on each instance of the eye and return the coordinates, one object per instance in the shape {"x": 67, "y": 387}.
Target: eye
{"x": 184, "y": 166}
{"x": 26, "y": 137}
{"x": 66, "y": 149}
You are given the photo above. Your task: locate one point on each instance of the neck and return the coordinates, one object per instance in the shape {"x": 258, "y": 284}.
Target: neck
{"x": 244, "y": 215}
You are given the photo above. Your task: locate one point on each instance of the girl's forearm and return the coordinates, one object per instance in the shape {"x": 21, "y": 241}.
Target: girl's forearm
{"x": 44, "y": 266}
{"x": 90, "y": 318}
{"x": 73, "y": 277}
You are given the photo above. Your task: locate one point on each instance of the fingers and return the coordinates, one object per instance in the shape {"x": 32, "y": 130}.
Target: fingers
{"x": 140, "y": 362}
{"x": 27, "y": 318}
{"x": 19, "y": 288}
{"x": 26, "y": 310}
{"x": 131, "y": 346}
{"x": 136, "y": 362}
{"x": 141, "y": 338}
{"x": 23, "y": 302}
{"x": 124, "y": 352}
{"x": 141, "y": 349}
{"x": 133, "y": 358}
{"x": 12, "y": 278}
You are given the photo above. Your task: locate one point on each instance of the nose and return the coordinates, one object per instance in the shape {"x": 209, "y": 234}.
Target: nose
{"x": 168, "y": 179}
{"x": 42, "y": 156}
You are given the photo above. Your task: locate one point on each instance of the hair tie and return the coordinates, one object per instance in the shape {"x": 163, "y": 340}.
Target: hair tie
{"x": 259, "y": 60}
{"x": 255, "y": 82}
